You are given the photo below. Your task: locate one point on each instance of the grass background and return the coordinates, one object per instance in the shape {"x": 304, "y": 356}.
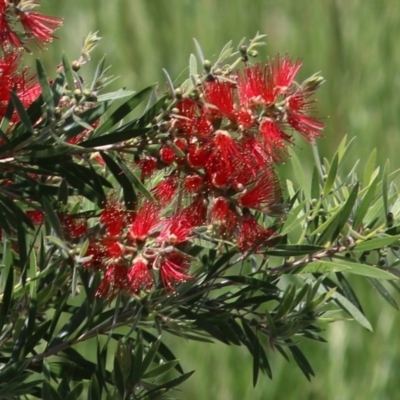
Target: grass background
{"x": 354, "y": 43}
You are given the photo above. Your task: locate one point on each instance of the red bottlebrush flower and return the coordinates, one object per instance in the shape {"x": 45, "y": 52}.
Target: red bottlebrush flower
{"x": 114, "y": 280}
{"x": 173, "y": 270}
{"x": 255, "y": 154}
{"x": 97, "y": 252}
{"x": 12, "y": 79}
{"x": 197, "y": 156}
{"x": 114, "y": 217}
{"x": 113, "y": 249}
{"x": 196, "y": 212}
{"x": 261, "y": 192}
{"x": 194, "y": 184}
{"x": 176, "y": 230}
{"x": 148, "y": 165}
{"x": 145, "y": 220}
{"x": 273, "y": 140}
{"x": 225, "y": 154}
{"x": 245, "y": 118}
{"x": 35, "y": 216}
{"x": 283, "y": 72}
{"x": 179, "y": 226}
{"x": 167, "y": 155}
{"x": 140, "y": 276}
{"x": 223, "y": 217}
{"x": 251, "y": 234}
{"x": 165, "y": 190}
{"x": 192, "y": 119}
{"x": 296, "y": 106}
{"x": 220, "y": 95}
{"x": 7, "y": 35}
{"x": 39, "y": 27}
{"x": 255, "y": 86}
{"x": 73, "y": 227}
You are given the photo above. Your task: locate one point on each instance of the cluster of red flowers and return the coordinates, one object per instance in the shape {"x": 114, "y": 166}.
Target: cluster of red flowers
{"x": 14, "y": 16}
{"x": 216, "y": 158}
{"x": 208, "y": 162}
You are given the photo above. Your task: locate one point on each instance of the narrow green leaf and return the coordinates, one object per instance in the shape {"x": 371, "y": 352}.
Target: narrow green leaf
{"x": 123, "y": 110}
{"x": 256, "y": 361}
{"x": 300, "y": 359}
{"x": 299, "y": 172}
{"x": 51, "y": 217}
{"x": 385, "y": 188}
{"x": 330, "y": 180}
{"x": 286, "y": 304}
{"x": 46, "y": 90}
{"x": 336, "y": 225}
{"x": 192, "y": 66}
{"x": 151, "y": 353}
{"x": 352, "y": 310}
{"x": 163, "y": 350}
{"x": 135, "y": 180}
{"x": 129, "y": 193}
{"x": 160, "y": 370}
{"x": 68, "y": 72}
{"x": 23, "y": 115}
{"x": 76, "y": 392}
{"x": 383, "y": 292}
{"x": 168, "y": 385}
{"x": 365, "y": 203}
{"x": 370, "y": 166}
{"x": 378, "y": 243}
{"x": 118, "y": 94}
{"x": 199, "y": 50}
{"x": 94, "y": 392}
{"x": 322, "y": 267}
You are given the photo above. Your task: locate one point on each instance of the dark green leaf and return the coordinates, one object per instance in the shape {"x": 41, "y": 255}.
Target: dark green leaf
{"x": 114, "y": 137}
{"x": 378, "y": 243}
{"x": 383, "y": 292}
{"x": 122, "y": 111}
{"x": 300, "y": 359}
{"x": 49, "y": 393}
{"x": 94, "y": 392}
{"x": 332, "y": 231}
{"x": 46, "y": 90}
{"x": 23, "y": 115}
{"x": 68, "y": 72}
{"x": 163, "y": 350}
{"x": 129, "y": 193}
{"x": 330, "y": 180}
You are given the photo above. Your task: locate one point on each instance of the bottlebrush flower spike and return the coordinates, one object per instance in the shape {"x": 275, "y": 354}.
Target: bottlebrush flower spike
{"x": 273, "y": 140}
{"x": 173, "y": 268}
{"x": 223, "y": 218}
{"x": 255, "y": 86}
{"x": 165, "y": 190}
{"x": 297, "y": 106}
{"x": 140, "y": 276}
{"x": 145, "y": 220}
{"x": 20, "y": 81}
{"x": 114, "y": 217}
{"x": 7, "y": 35}
{"x": 283, "y": 72}
{"x": 115, "y": 279}
{"x": 38, "y": 26}
{"x": 251, "y": 234}
{"x": 261, "y": 192}
{"x": 148, "y": 166}
{"x": 220, "y": 95}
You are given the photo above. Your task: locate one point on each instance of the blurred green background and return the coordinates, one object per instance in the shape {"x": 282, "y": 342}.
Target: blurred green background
{"x": 355, "y": 44}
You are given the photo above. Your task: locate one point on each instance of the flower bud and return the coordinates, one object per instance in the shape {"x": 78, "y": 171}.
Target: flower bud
{"x": 76, "y": 65}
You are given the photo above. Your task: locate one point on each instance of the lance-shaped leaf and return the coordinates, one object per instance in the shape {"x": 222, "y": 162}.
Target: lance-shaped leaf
{"x": 122, "y": 111}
